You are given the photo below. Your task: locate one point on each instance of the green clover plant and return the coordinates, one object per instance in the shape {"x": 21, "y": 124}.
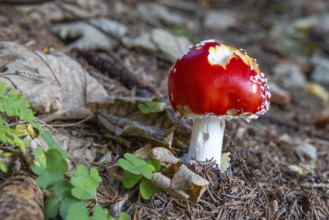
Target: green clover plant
{"x": 139, "y": 170}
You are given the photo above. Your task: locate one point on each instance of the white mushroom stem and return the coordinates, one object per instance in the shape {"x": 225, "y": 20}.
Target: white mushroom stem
{"x": 207, "y": 139}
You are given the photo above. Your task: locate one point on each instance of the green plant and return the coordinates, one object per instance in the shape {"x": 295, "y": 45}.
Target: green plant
{"x": 78, "y": 211}
{"x": 139, "y": 170}
{"x": 51, "y": 167}
{"x": 16, "y": 122}
{"x": 65, "y": 194}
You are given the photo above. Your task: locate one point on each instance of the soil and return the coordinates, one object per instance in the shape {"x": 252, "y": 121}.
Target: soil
{"x": 260, "y": 183}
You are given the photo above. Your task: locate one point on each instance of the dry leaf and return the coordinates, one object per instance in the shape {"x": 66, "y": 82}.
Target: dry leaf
{"x": 55, "y": 85}
{"x": 163, "y": 155}
{"x": 122, "y": 117}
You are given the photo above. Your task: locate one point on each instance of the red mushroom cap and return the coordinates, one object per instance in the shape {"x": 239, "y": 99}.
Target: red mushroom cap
{"x": 215, "y": 79}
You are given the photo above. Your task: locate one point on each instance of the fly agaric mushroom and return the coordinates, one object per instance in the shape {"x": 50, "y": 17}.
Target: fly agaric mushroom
{"x": 212, "y": 83}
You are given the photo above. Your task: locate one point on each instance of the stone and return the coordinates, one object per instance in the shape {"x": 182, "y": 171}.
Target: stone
{"x": 169, "y": 44}
{"x": 320, "y": 69}
{"x": 278, "y": 95}
{"x": 154, "y": 13}
{"x": 219, "y": 20}
{"x": 142, "y": 41}
{"x": 289, "y": 76}
{"x": 306, "y": 151}
{"x": 88, "y": 36}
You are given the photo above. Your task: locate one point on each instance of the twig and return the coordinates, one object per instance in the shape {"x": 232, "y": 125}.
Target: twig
{"x": 73, "y": 124}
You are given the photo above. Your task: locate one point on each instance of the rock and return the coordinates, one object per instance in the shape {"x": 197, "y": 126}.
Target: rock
{"x": 64, "y": 11}
{"x": 306, "y": 151}
{"x": 169, "y": 44}
{"x": 219, "y": 20}
{"x": 93, "y": 35}
{"x": 155, "y": 13}
{"x": 321, "y": 69}
{"x": 289, "y": 76}
{"x": 143, "y": 41}
{"x": 159, "y": 40}
{"x": 110, "y": 26}
{"x": 279, "y": 96}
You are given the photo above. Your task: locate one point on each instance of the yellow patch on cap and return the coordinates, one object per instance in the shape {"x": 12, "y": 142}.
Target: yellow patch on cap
{"x": 254, "y": 88}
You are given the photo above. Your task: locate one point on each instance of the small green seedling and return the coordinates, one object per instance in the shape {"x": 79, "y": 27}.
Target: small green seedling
{"x": 139, "y": 170}
{"x": 150, "y": 107}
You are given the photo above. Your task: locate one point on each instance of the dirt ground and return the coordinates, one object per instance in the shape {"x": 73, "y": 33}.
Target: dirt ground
{"x": 261, "y": 182}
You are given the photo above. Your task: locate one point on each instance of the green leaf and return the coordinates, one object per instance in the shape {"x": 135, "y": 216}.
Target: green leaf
{"x": 62, "y": 189}
{"x": 52, "y": 144}
{"x": 85, "y": 184}
{"x": 12, "y": 103}
{"x": 147, "y": 189}
{"x": 124, "y": 216}
{"x": 99, "y": 213}
{"x": 66, "y": 204}
{"x": 128, "y": 166}
{"x": 3, "y": 167}
{"x": 129, "y": 180}
{"x": 56, "y": 167}
{"x": 134, "y": 160}
{"x": 149, "y": 107}
{"x": 77, "y": 211}
{"x": 47, "y": 179}
{"x": 155, "y": 163}
{"x": 55, "y": 162}
{"x": 20, "y": 144}
{"x": 136, "y": 165}
{"x": 39, "y": 162}
{"x": 51, "y": 207}
{"x": 37, "y": 126}
{"x": 147, "y": 170}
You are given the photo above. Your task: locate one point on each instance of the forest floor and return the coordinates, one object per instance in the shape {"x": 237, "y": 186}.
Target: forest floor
{"x": 279, "y": 166}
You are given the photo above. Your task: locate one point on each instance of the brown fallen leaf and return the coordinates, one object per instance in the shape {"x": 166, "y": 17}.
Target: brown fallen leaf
{"x": 56, "y": 86}
{"x": 122, "y": 117}
{"x": 21, "y": 198}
